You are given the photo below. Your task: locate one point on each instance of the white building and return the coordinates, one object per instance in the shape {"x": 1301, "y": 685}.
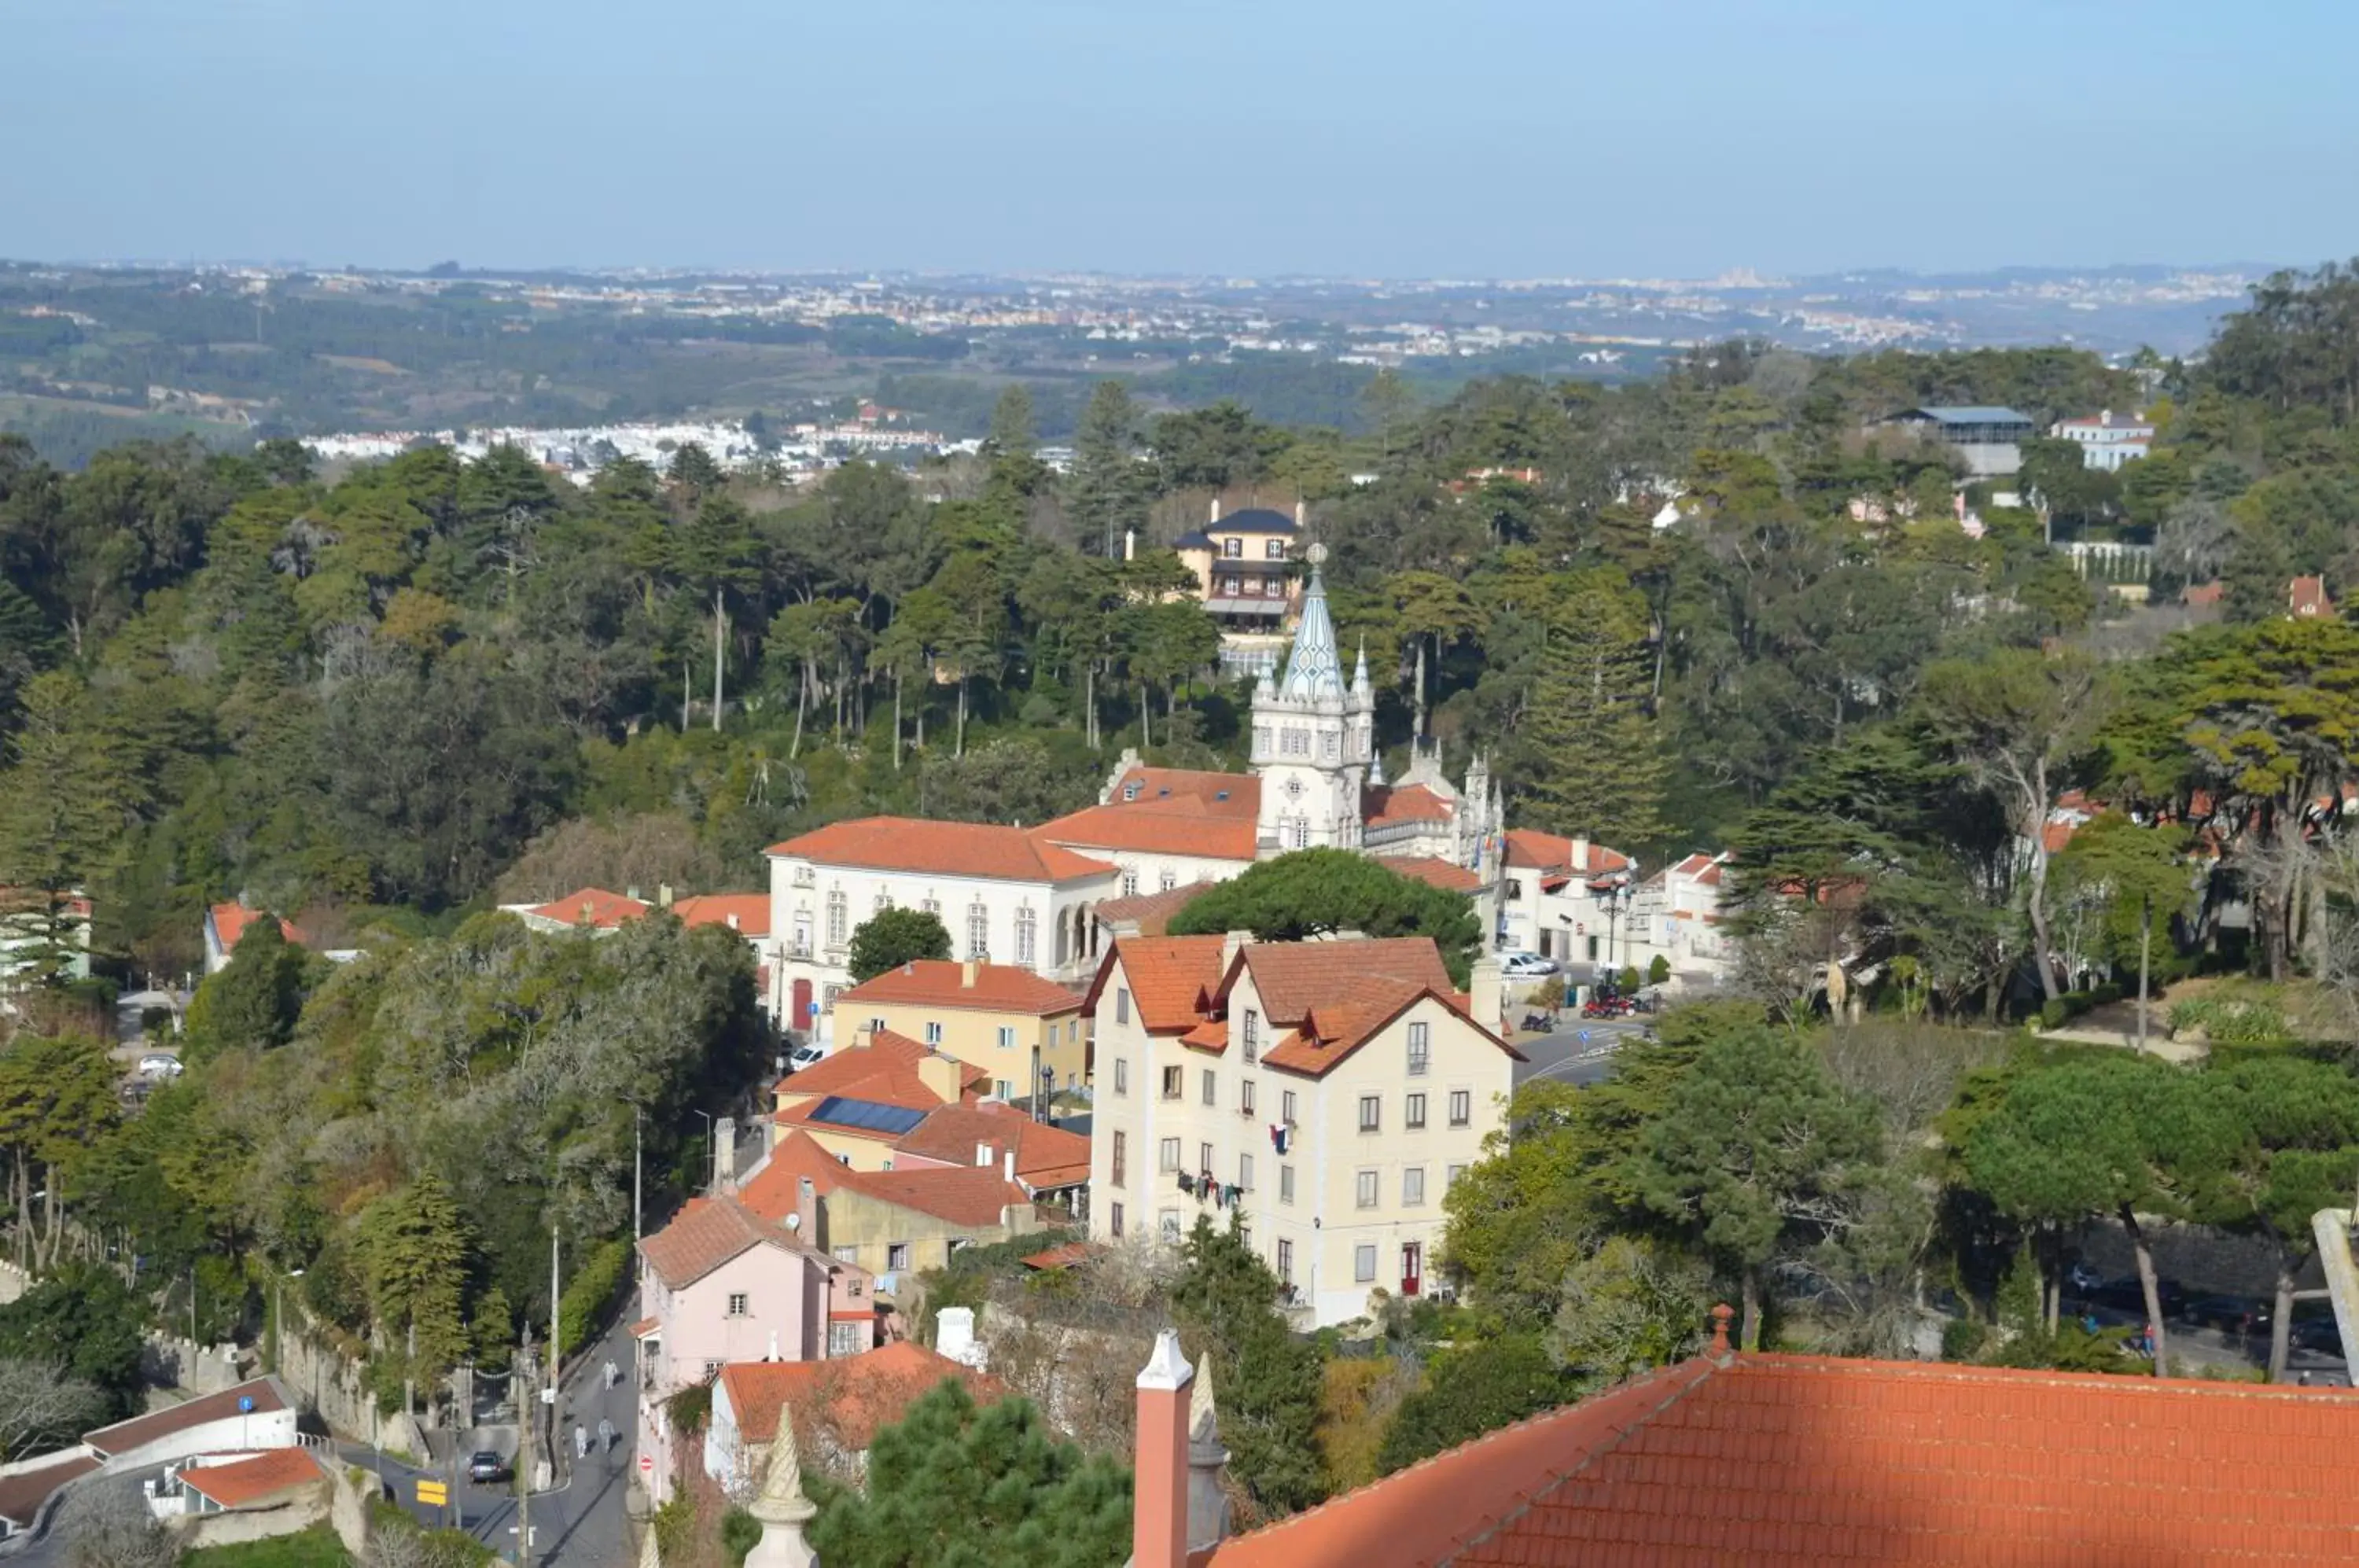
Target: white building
{"x": 1326, "y": 1094}
{"x": 2109, "y": 439}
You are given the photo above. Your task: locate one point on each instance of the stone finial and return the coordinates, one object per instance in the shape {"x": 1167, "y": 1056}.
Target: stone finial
{"x": 1721, "y": 1315}
{"x": 782, "y": 1502}
{"x": 1204, "y": 1418}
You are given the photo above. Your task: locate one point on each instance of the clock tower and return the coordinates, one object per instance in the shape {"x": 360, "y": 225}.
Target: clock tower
{"x": 1314, "y": 737}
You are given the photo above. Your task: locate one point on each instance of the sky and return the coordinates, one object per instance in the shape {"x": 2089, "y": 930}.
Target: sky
{"x": 1360, "y": 139}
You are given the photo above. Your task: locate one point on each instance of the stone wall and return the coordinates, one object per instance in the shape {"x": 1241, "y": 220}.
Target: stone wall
{"x": 299, "y": 1512}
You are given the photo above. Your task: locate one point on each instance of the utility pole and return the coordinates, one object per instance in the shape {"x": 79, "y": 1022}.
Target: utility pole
{"x": 524, "y": 1451}
{"x": 638, "y": 1131}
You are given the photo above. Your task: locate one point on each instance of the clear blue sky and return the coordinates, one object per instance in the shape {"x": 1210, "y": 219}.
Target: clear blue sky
{"x": 1394, "y": 137}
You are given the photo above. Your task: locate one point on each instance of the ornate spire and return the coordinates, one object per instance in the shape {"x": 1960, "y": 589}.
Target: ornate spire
{"x": 1203, "y": 1420}
{"x": 782, "y": 1503}
{"x": 1314, "y": 669}
{"x": 1360, "y": 668}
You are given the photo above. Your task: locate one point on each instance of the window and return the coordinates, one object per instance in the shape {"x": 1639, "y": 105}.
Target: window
{"x": 1168, "y": 880}
{"x": 1210, "y": 1093}
{"x": 1204, "y": 1160}
{"x": 1286, "y": 1108}
{"x": 1130, "y": 790}
{"x": 931, "y": 905}
{"x": 1113, "y": 1220}
{"x": 978, "y": 932}
{"x": 1232, "y": 548}
{"x": 1273, "y": 550}
{"x": 1121, "y": 1076}
{"x": 896, "y": 1256}
{"x": 1244, "y": 1096}
{"x": 1364, "y": 1264}
{"x": 1303, "y": 833}
{"x": 737, "y": 1303}
{"x": 1365, "y": 1192}
{"x": 1171, "y": 1090}
{"x": 802, "y": 933}
{"x": 876, "y": 1024}
{"x": 1461, "y": 1106}
{"x": 1003, "y": 1089}
{"x": 1293, "y": 741}
{"x": 1008, "y": 1037}
{"x": 1285, "y": 1184}
{"x": 1372, "y": 1112}
{"x": 1130, "y": 881}
{"x": 1328, "y": 743}
{"x": 933, "y": 1033}
{"x": 1244, "y": 1171}
{"x": 1121, "y": 1158}
{"x": 1450, "y": 1177}
{"x": 838, "y": 916}
{"x": 846, "y": 1338}
{"x": 1167, "y": 1155}
{"x": 1122, "y": 1004}
{"x": 711, "y": 1370}
{"x": 1252, "y": 1036}
{"x": 883, "y": 901}
{"x": 1412, "y": 1186}
{"x": 847, "y": 1255}
{"x": 1421, "y": 1049}
{"x": 1167, "y": 1224}
{"x": 1285, "y": 1261}
{"x": 852, "y": 1285}
{"x": 1413, "y": 1114}
{"x": 1027, "y": 937}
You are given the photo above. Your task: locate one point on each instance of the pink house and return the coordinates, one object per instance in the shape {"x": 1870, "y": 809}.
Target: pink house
{"x": 721, "y": 1284}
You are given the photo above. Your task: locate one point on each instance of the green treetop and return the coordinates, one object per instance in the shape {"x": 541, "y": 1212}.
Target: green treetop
{"x": 890, "y": 938}
{"x": 1319, "y": 892}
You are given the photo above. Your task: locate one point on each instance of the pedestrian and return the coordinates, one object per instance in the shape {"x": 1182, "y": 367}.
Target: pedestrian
{"x": 581, "y": 1442}
{"x": 605, "y": 1436}
{"x": 611, "y": 1374}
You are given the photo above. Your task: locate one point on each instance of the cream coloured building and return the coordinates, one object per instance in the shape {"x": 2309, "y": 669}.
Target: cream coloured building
{"x": 1007, "y": 1023}
{"x": 1327, "y": 1093}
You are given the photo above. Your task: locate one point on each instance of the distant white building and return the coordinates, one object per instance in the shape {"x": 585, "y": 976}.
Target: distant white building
{"x": 2109, "y": 439}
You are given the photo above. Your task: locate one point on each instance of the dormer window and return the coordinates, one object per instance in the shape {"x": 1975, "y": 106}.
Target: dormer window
{"x": 1130, "y": 790}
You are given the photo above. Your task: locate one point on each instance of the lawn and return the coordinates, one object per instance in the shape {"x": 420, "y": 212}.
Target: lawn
{"x": 314, "y": 1548}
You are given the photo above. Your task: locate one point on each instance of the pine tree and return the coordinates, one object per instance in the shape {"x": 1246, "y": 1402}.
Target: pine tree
{"x": 414, "y": 1253}
{"x": 1270, "y": 1382}
{"x": 64, "y": 809}
{"x": 1107, "y": 493}
{"x": 1596, "y": 761}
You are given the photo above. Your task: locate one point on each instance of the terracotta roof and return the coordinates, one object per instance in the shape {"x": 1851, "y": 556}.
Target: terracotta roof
{"x": 124, "y": 1436}
{"x": 1351, "y": 1013}
{"x": 1802, "y": 1460}
{"x": 1151, "y": 912}
{"x": 1154, "y": 830}
{"x": 1218, "y": 794}
{"x": 885, "y": 1071}
{"x": 1425, "y": 868}
{"x": 752, "y": 909}
{"x": 962, "y": 1193}
{"x": 1063, "y": 1256}
{"x": 230, "y": 922}
{"x": 940, "y": 982}
{"x": 1213, "y": 1034}
{"x": 951, "y": 849}
{"x": 592, "y": 906}
{"x": 776, "y": 1188}
{"x": 2307, "y": 596}
{"x": 1171, "y": 978}
{"x": 1291, "y": 976}
{"x": 645, "y": 1327}
{"x": 22, "y": 1494}
{"x": 244, "y": 1481}
{"x": 1528, "y": 849}
{"x": 848, "y": 1396}
{"x": 2204, "y": 593}
{"x": 1404, "y": 803}
{"x": 706, "y": 1233}
{"x": 1045, "y": 1155}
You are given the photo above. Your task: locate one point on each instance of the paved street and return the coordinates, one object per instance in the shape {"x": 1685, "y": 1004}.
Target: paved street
{"x": 1581, "y": 1052}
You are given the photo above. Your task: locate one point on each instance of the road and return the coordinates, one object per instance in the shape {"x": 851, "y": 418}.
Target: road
{"x": 1581, "y": 1053}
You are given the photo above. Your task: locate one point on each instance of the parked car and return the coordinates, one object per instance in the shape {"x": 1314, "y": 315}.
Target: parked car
{"x": 802, "y": 1056}
{"x": 485, "y": 1467}
{"x": 159, "y": 1065}
{"x": 1524, "y": 965}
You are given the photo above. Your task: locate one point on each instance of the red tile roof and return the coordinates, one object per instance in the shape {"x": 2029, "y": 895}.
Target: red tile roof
{"x": 592, "y": 906}
{"x": 126, "y": 1435}
{"x": 1425, "y": 868}
{"x": 1062, "y": 1257}
{"x": 885, "y": 1071}
{"x": 846, "y": 1396}
{"x": 1528, "y": 849}
{"x": 1171, "y": 978}
{"x": 992, "y": 988}
{"x": 2203, "y": 594}
{"x": 1219, "y": 794}
{"x": 1151, "y": 912}
{"x": 1402, "y": 803}
{"x": 244, "y": 1481}
{"x": 1045, "y": 1155}
{"x": 1353, "y": 1012}
{"x": 949, "y": 849}
{"x": 2307, "y": 596}
{"x": 1148, "y": 830}
{"x": 708, "y": 1233}
{"x": 774, "y": 1192}
{"x": 1292, "y": 976}
{"x": 230, "y": 922}
{"x": 1802, "y": 1460}
{"x": 963, "y": 1195}
{"x": 752, "y": 909}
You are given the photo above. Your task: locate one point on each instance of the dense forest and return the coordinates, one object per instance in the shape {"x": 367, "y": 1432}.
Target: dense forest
{"x": 380, "y": 704}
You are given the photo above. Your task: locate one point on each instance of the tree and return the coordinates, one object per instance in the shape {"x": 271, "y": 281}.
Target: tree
{"x": 112, "y": 1527}
{"x": 42, "y": 1408}
{"x": 1472, "y": 1391}
{"x": 1319, "y": 892}
{"x": 716, "y": 553}
{"x": 251, "y": 1004}
{"x": 952, "y": 1486}
{"x": 1436, "y": 611}
{"x": 2140, "y": 874}
{"x": 2016, "y": 722}
{"x": 1752, "y": 1144}
{"x": 2295, "y": 1151}
{"x": 414, "y": 1253}
{"x": 1106, "y": 493}
{"x": 890, "y": 938}
{"x": 64, "y": 808}
{"x": 1590, "y": 751}
{"x": 1268, "y": 1383}
{"x": 85, "y": 1321}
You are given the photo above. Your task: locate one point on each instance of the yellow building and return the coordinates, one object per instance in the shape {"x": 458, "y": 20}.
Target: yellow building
{"x": 1007, "y": 1023}
{"x": 1327, "y": 1093}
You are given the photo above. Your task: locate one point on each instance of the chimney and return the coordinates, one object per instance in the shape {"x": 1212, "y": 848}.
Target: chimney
{"x": 864, "y": 1036}
{"x": 724, "y": 1154}
{"x": 1213, "y": 518}
{"x": 773, "y": 1354}
{"x": 632, "y": 892}
{"x": 1720, "y": 1316}
{"x": 806, "y": 1227}
{"x": 954, "y": 1338}
{"x": 663, "y": 895}
{"x": 2104, "y": 416}
{"x": 942, "y": 1074}
{"x": 982, "y": 1153}
{"x": 967, "y": 968}
{"x": 1158, "y": 1510}
{"x": 1580, "y": 858}
{"x": 1484, "y": 993}
{"x": 1007, "y": 1166}
{"x": 1302, "y": 514}
{"x": 1233, "y": 943}
{"x": 732, "y": 920}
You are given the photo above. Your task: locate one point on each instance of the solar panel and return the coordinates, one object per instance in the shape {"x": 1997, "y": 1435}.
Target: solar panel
{"x": 867, "y": 1115}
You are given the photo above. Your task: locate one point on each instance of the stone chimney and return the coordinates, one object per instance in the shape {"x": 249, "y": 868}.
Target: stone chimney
{"x": 1232, "y": 943}
{"x": 1580, "y": 858}
{"x": 1007, "y": 1165}
{"x": 1159, "y": 1482}
{"x": 1213, "y": 518}
{"x": 663, "y": 895}
{"x": 940, "y": 1073}
{"x": 1208, "y": 1505}
{"x": 1486, "y": 997}
{"x": 968, "y": 969}
{"x": 724, "y": 1154}
{"x": 1720, "y": 1314}
{"x": 806, "y": 1213}
{"x": 732, "y": 920}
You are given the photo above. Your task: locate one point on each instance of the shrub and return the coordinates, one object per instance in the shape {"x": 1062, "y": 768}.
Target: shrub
{"x": 1658, "y": 972}
{"x": 593, "y": 1287}
{"x": 2053, "y": 1013}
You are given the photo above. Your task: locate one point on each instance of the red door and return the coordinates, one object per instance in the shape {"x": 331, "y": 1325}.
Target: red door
{"x": 1412, "y": 1266}
{"x": 800, "y": 1018}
